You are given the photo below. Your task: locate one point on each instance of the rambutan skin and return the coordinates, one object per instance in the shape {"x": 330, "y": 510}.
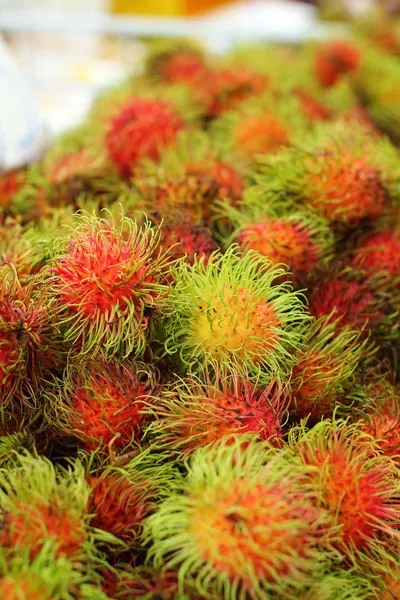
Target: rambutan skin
{"x": 108, "y": 279}
{"x": 378, "y": 253}
{"x": 281, "y": 241}
{"x": 345, "y": 188}
{"x": 195, "y": 413}
{"x": 142, "y": 129}
{"x": 103, "y": 402}
{"x": 187, "y": 240}
{"x": 333, "y": 59}
{"x": 10, "y": 589}
{"x": 356, "y": 485}
{"x": 260, "y": 135}
{"x": 119, "y": 506}
{"x": 247, "y": 528}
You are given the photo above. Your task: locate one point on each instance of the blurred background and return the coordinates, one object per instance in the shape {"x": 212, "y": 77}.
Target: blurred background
{"x": 61, "y": 53}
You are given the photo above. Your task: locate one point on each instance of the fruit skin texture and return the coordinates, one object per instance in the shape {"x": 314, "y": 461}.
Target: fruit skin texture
{"x": 104, "y": 402}
{"x": 200, "y": 411}
{"x": 120, "y": 506}
{"x": 344, "y": 187}
{"x": 333, "y": 60}
{"x": 230, "y": 312}
{"x": 107, "y": 278}
{"x": 187, "y": 240}
{"x": 243, "y": 521}
{"x": 378, "y": 253}
{"x": 142, "y": 129}
{"x": 356, "y": 485}
{"x": 260, "y": 135}
{"x": 21, "y": 590}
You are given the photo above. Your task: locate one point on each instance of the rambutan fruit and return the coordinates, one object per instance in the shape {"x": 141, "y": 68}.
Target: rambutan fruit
{"x": 341, "y": 585}
{"x": 196, "y": 411}
{"x": 313, "y": 109}
{"x": 10, "y": 182}
{"x": 298, "y": 240}
{"x": 346, "y": 180}
{"x": 103, "y": 402}
{"x": 261, "y": 135}
{"x": 324, "y": 370}
{"x": 233, "y": 312}
{"x": 30, "y": 339}
{"x": 242, "y": 521}
{"x": 356, "y": 485}
{"x": 222, "y": 89}
{"x": 378, "y": 253}
{"x": 109, "y": 281}
{"x": 19, "y": 248}
{"x": 186, "y": 240}
{"x": 41, "y": 505}
{"x": 348, "y": 302}
{"x": 141, "y": 129}
{"x": 333, "y": 59}
{"x": 179, "y": 62}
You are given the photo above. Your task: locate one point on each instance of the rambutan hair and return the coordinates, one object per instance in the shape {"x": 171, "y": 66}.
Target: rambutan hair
{"x": 333, "y": 59}
{"x": 141, "y": 129}
{"x": 324, "y": 369}
{"x": 233, "y": 311}
{"x": 110, "y": 280}
{"x": 187, "y": 240}
{"x": 102, "y": 402}
{"x": 198, "y": 411}
{"x": 242, "y": 521}
{"x": 41, "y": 504}
{"x": 356, "y": 485}
{"x": 378, "y": 254}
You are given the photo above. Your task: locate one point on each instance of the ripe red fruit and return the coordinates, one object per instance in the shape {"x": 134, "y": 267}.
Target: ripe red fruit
{"x": 333, "y": 59}
{"x": 142, "y": 129}
{"x": 311, "y": 107}
{"x": 119, "y": 506}
{"x": 345, "y": 188}
{"x": 260, "y": 135}
{"x": 378, "y": 253}
{"x": 181, "y": 66}
{"x": 187, "y": 240}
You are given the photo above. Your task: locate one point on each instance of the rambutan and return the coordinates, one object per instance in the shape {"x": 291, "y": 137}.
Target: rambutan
{"x": 9, "y": 184}
{"x": 226, "y": 88}
{"x": 345, "y": 188}
{"x": 109, "y": 280}
{"x": 324, "y": 369}
{"x": 29, "y": 335}
{"x": 261, "y": 135}
{"x": 313, "y": 109}
{"x": 356, "y": 485}
{"x": 232, "y": 311}
{"x": 377, "y": 253}
{"x": 241, "y": 520}
{"x": 298, "y": 240}
{"x": 333, "y": 59}
{"x": 179, "y": 66}
{"x": 141, "y": 129}
{"x": 39, "y": 505}
{"x": 187, "y": 240}
{"x": 199, "y": 411}
{"x": 102, "y": 402}
{"x": 347, "y": 302}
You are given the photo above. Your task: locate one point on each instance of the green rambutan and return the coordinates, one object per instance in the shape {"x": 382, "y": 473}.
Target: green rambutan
{"x": 242, "y": 521}
{"x": 196, "y": 411}
{"x": 357, "y": 486}
{"x": 233, "y": 311}
{"x": 324, "y": 370}
{"x": 109, "y": 280}
{"x": 141, "y": 129}
{"x": 102, "y": 403}
{"x": 333, "y": 59}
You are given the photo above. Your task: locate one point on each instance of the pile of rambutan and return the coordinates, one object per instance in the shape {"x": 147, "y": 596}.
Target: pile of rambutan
{"x": 200, "y": 336}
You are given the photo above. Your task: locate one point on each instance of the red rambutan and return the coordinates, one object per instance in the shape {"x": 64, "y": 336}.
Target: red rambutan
{"x": 187, "y": 240}
{"x": 108, "y": 279}
{"x": 356, "y": 485}
{"x": 103, "y": 402}
{"x": 195, "y": 413}
{"x": 346, "y": 302}
{"x": 345, "y": 188}
{"x": 181, "y": 66}
{"x": 9, "y": 184}
{"x": 333, "y": 59}
{"x": 378, "y": 253}
{"x": 119, "y": 505}
{"x": 142, "y": 129}
{"x": 313, "y": 109}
